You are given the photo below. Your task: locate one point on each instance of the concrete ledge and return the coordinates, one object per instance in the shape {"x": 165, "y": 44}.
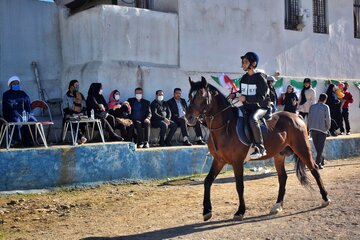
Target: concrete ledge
{"x": 37, "y": 168}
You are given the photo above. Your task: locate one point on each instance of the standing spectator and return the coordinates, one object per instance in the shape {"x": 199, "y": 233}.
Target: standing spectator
{"x": 121, "y": 111}
{"x": 96, "y": 101}
{"x": 74, "y": 105}
{"x": 290, "y": 99}
{"x": 178, "y": 108}
{"x": 346, "y": 100}
{"x": 15, "y": 102}
{"x": 335, "y": 109}
{"x": 273, "y": 95}
{"x": 140, "y": 115}
{"x": 307, "y": 98}
{"x": 161, "y": 116}
{"x": 319, "y": 124}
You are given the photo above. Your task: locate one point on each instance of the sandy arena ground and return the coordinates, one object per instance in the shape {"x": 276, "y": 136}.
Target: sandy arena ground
{"x": 172, "y": 210}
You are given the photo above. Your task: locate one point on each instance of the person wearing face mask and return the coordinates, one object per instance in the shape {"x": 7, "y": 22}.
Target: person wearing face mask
{"x": 14, "y": 102}
{"x": 96, "y": 101}
{"x": 74, "y": 106}
{"x": 141, "y": 115}
{"x": 121, "y": 111}
{"x": 161, "y": 116}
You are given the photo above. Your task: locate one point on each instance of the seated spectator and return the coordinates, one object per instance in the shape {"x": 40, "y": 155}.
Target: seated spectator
{"x": 74, "y": 106}
{"x": 290, "y": 100}
{"x": 178, "y": 108}
{"x": 140, "y": 115}
{"x": 96, "y": 101}
{"x": 15, "y": 103}
{"x": 161, "y": 116}
{"x": 121, "y": 111}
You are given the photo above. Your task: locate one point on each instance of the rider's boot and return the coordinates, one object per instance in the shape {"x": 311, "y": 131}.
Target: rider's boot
{"x": 259, "y": 152}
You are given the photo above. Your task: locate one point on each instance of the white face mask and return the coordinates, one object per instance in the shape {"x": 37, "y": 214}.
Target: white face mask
{"x": 101, "y": 92}
{"x": 160, "y": 98}
{"x": 138, "y": 96}
{"x": 117, "y": 97}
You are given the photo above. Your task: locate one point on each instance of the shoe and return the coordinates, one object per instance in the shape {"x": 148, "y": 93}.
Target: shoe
{"x": 187, "y": 143}
{"x": 200, "y": 142}
{"x": 334, "y": 134}
{"x": 140, "y": 145}
{"x": 320, "y": 166}
{"x": 257, "y": 153}
{"x": 341, "y": 133}
{"x": 146, "y": 145}
{"x": 348, "y": 133}
{"x": 83, "y": 140}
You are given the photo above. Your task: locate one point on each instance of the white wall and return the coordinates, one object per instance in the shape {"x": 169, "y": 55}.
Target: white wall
{"x": 29, "y": 31}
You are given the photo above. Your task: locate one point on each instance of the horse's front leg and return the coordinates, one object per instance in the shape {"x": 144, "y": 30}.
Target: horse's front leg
{"x": 215, "y": 169}
{"x": 239, "y": 178}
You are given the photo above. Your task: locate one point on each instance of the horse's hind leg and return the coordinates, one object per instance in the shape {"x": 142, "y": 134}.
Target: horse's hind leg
{"x": 215, "y": 169}
{"x": 282, "y": 177}
{"x": 302, "y": 150}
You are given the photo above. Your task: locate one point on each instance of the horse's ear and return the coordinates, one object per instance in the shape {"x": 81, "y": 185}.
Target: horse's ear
{"x": 190, "y": 81}
{"x": 203, "y": 81}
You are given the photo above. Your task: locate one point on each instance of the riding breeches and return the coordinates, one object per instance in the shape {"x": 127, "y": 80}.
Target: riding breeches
{"x": 254, "y": 119}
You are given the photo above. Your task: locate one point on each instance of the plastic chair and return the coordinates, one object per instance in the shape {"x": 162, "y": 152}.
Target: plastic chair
{"x": 45, "y": 121}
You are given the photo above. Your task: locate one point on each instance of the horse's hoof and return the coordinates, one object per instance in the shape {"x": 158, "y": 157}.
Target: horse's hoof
{"x": 207, "y": 216}
{"x": 326, "y": 203}
{"x": 276, "y": 208}
{"x": 239, "y": 217}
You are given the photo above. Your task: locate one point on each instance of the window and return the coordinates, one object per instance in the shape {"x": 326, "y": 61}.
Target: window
{"x": 292, "y": 9}
{"x": 356, "y": 18}
{"x": 319, "y": 16}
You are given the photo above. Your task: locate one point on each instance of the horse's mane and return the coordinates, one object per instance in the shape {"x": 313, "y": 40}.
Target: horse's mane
{"x": 213, "y": 90}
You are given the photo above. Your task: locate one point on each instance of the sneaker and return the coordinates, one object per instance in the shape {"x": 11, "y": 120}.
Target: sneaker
{"x": 257, "y": 153}
{"x": 187, "y": 143}
{"x": 140, "y": 145}
{"x": 348, "y": 133}
{"x": 320, "y": 166}
{"x": 83, "y": 140}
{"x": 334, "y": 134}
{"x": 341, "y": 133}
{"x": 146, "y": 145}
{"x": 200, "y": 142}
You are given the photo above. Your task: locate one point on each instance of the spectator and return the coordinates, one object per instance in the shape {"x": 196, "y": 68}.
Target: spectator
{"x": 74, "y": 106}
{"x": 319, "y": 124}
{"x": 178, "y": 107}
{"x": 15, "y": 102}
{"x": 121, "y": 111}
{"x": 290, "y": 99}
{"x": 346, "y": 100}
{"x": 273, "y": 95}
{"x": 307, "y": 98}
{"x": 161, "y": 116}
{"x": 335, "y": 109}
{"x": 140, "y": 115}
{"x": 96, "y": 101}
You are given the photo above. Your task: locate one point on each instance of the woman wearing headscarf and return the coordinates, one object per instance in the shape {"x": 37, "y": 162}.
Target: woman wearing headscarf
{"x": 121, "y": 111}
{"x": 290, "y": 100}
{"x": 96, "y": 101}
{"x": 74, "y": 106}
{"x": 335, "y": 109}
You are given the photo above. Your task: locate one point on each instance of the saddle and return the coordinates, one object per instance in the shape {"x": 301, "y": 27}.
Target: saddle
{"x": 243, "y": 128}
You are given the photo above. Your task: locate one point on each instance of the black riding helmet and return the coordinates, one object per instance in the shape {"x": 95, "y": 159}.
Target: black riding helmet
{"x": 252, "y": 57}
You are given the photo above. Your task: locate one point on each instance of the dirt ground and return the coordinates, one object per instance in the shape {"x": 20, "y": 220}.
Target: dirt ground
{"x": 172, "y": 209}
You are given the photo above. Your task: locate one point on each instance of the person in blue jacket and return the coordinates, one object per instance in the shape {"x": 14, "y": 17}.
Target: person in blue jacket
{"x": 14, "y": 102}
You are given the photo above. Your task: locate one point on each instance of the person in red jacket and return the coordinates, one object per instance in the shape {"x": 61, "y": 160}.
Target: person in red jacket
{"x": 346, "y": 100}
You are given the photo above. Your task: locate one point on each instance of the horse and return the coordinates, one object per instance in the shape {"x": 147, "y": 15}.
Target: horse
{"x": 287, "y": 135}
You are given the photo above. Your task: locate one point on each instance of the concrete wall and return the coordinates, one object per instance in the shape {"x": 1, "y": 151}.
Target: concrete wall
{"x": 58, "y": 166}
{"x": 29, "y": 31}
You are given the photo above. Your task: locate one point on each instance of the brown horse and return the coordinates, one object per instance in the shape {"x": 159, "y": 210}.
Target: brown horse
{"x": 287, "y": 134}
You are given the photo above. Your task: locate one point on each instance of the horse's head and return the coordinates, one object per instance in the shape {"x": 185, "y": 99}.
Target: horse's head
{"x": 200, "y": 98}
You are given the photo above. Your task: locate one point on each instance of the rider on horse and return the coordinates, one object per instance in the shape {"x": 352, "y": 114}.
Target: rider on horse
{"x": 254, "y": 94}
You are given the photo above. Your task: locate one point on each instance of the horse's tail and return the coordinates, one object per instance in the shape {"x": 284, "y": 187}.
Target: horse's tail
{"x": 301, "y": 173}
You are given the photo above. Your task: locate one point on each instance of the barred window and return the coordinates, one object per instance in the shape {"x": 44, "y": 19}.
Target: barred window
{"x": 319, "y": 16}
{"x": 357, "y": 18}
{"x": 292, "y": 9}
